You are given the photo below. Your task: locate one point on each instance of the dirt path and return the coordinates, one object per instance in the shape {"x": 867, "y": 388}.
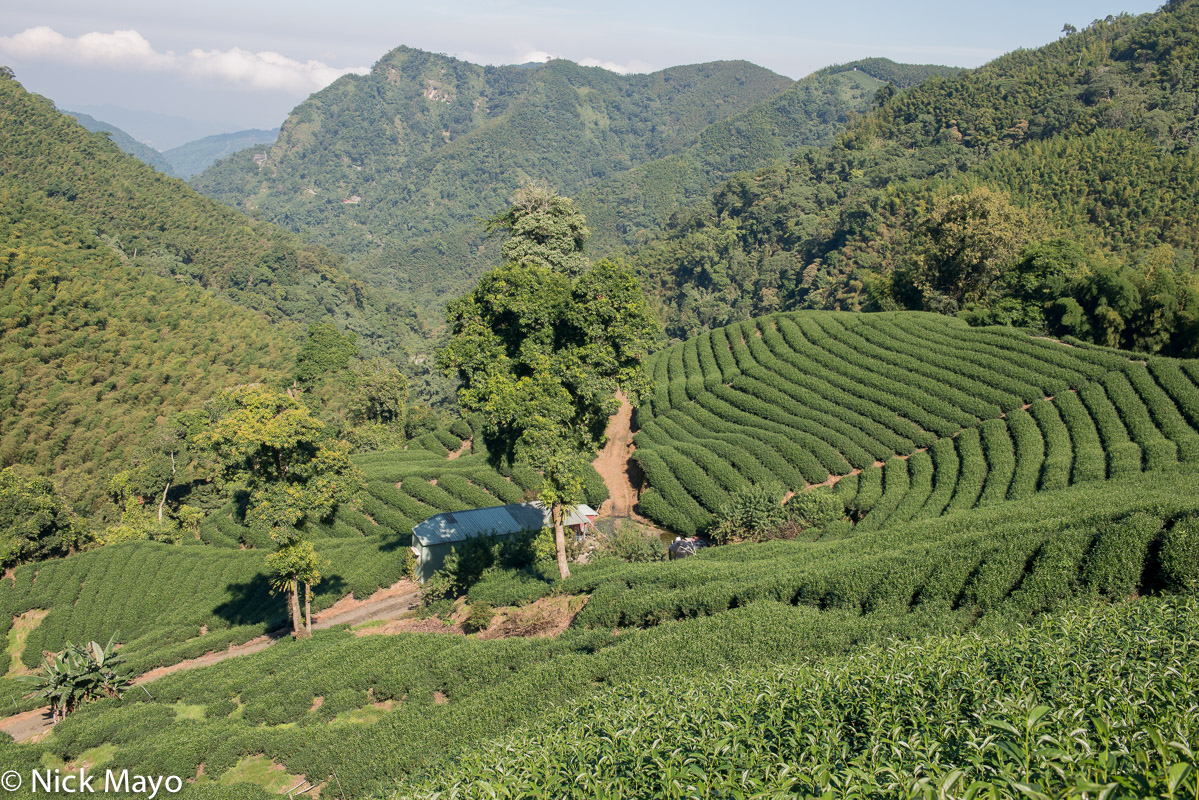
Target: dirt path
{"x": 385, "y": 604}
{"x": 615, "y": 465}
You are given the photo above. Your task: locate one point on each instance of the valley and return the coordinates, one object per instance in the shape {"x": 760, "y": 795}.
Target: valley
{"x": 830, "y": 437}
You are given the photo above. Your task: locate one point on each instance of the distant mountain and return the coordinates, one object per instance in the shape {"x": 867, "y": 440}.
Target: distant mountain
{"x": 138, "y": 150}
{"x": 396, "y": 168}
{"x": 160, "y": 131}
{"x": 194, "y": 157}
{"x": 625, "y": 208}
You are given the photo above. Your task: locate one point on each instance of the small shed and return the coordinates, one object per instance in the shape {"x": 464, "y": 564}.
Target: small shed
{"x": 435, "y": 538}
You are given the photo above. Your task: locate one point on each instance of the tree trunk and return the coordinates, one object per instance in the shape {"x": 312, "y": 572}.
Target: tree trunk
{"x": 163, "y": 501}
{"x": 293, "y": 609}
{"x": 560, "y": 539}
{"x": 308, "y": 608}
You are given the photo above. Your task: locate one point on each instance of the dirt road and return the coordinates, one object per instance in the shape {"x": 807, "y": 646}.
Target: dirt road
{"x": 615, "y": 465}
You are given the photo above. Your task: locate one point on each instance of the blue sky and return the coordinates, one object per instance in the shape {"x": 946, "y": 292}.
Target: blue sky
{"x": 229, "y": 65}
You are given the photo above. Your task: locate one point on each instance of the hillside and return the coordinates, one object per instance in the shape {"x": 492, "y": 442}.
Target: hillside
{"x": 429, "y": 144}
{"x": 127, "y": 297}
{"x": 142, "y": 152}
{"x": 1045, "y": 485}
{"x": 911, "y": 416}
{"x": 410, "y": 138}
{"x": 191, "y": 158}
{"x": 167, "y": 228}
{"x": 855, "y": 225}
{"x": 623, "y": 209}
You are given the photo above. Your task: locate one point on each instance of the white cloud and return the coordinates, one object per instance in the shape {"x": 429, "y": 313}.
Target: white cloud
{"x": 128, "y": 49}
{"x": 534, "y": 55}
{"x": 265, "y": 70}
{"x": 612, "y": 66}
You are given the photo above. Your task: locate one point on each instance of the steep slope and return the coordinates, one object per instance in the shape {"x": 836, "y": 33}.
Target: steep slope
{"x": 126, "y": 297}
{"x": 168, "y": 229}
{"x": 848, "y": 226}
{"x": 142, "y": 152}
{"x": 194, "y": 157}
{"x": 95, "y": 349}
{"x": 396, "y": 167}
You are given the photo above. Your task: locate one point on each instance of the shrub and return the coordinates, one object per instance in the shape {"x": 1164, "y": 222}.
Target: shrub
{"x": 506, "y": 587}
{"x": 1180, "y": 555}
{"x": 1115, "y": 564}
{"x": 479, "y": 618}
{"x": 816, "y": 508}
{"x": 750, "y": 513}
{"x": 631, "y": 542}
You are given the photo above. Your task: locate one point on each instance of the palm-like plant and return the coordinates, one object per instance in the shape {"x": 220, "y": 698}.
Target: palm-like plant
{"x": 80, "y": 674}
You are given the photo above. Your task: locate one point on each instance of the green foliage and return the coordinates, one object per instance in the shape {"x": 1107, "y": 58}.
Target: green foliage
{"x": 433, "y": 143}
{"x": 271, "y": 443}
{"x": 542, "y": 346}
{"x": 1082, "y": 699}
{"x": 1180, "y": 555}
{"x": 35, "y": 522}
{"x": 930, "y": 200}
{"x": 479, "y": 618}
{"x": 631, "y": 542}
{"x": 325, "y": 351}
{"x": 512, "y": 587}
{"x": 79, "y": 675}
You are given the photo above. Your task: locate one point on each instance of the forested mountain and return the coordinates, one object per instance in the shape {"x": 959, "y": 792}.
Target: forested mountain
{"x": 623, "y": 209}
{"x": 395, "y": 168}
{"x": 1053, "y": 188}
{"x": 193, "y": 157}
{"x": 125, "y": 296}
{"x": 140, "y": 151}
{"x": 167, "y": 228}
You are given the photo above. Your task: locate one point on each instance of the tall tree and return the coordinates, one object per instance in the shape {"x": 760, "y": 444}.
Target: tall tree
{"x": 543, "y": 345}
{"x": 35, "y": 522}
{"x": 293, "y": 474}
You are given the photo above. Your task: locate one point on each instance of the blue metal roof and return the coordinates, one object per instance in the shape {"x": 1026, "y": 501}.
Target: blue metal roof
{"x": 458, "y": 526}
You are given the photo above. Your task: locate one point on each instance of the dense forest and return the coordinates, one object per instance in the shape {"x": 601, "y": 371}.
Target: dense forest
{"x": 1052, "y": 188}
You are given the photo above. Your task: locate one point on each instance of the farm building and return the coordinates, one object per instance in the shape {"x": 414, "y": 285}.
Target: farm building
{"x": 433, "y": 539}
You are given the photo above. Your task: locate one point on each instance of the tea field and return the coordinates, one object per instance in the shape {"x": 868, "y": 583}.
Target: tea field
{"x": 1008, "y": 609}
{"x": 912, "y": 415}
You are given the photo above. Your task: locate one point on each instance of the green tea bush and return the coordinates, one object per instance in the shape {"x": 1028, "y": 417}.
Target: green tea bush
{"x": 479, "y": 618}
{"x": 1116, "y": 563}
{"x": 1029, "y": 454}
{"x": 1059, "y": 455}
{"x": 1014, "y": 715}
{"x": 1001, "y": 461}
{"x": 511, "y": 587}
{"x": 1165, "y": 412}
{"x": 1180, "y": 555}
{"x": 1123, "y": 455}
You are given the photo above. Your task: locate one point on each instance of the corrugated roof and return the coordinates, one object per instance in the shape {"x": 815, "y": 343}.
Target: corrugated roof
{"x": 458, "y": 526}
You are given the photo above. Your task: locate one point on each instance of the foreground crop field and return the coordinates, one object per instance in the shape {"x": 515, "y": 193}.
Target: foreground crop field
{"x": 1097, "y": 703}
{"x": 912, "y": 415}
{"x": 377, "y": 709}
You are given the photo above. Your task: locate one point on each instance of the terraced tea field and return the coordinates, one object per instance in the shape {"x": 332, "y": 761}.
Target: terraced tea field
{"x": 911, "y": 415}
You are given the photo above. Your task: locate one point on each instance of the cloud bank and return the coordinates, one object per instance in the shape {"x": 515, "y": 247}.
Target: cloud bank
{"x": 129, "y": 50}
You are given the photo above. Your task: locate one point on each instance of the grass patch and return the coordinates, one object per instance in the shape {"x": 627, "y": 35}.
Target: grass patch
{"x": 185, "y": 711}
{"x": 261, "y": 771}
{"x": 367, "y": 715}
{"x": 22, "y": 624}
